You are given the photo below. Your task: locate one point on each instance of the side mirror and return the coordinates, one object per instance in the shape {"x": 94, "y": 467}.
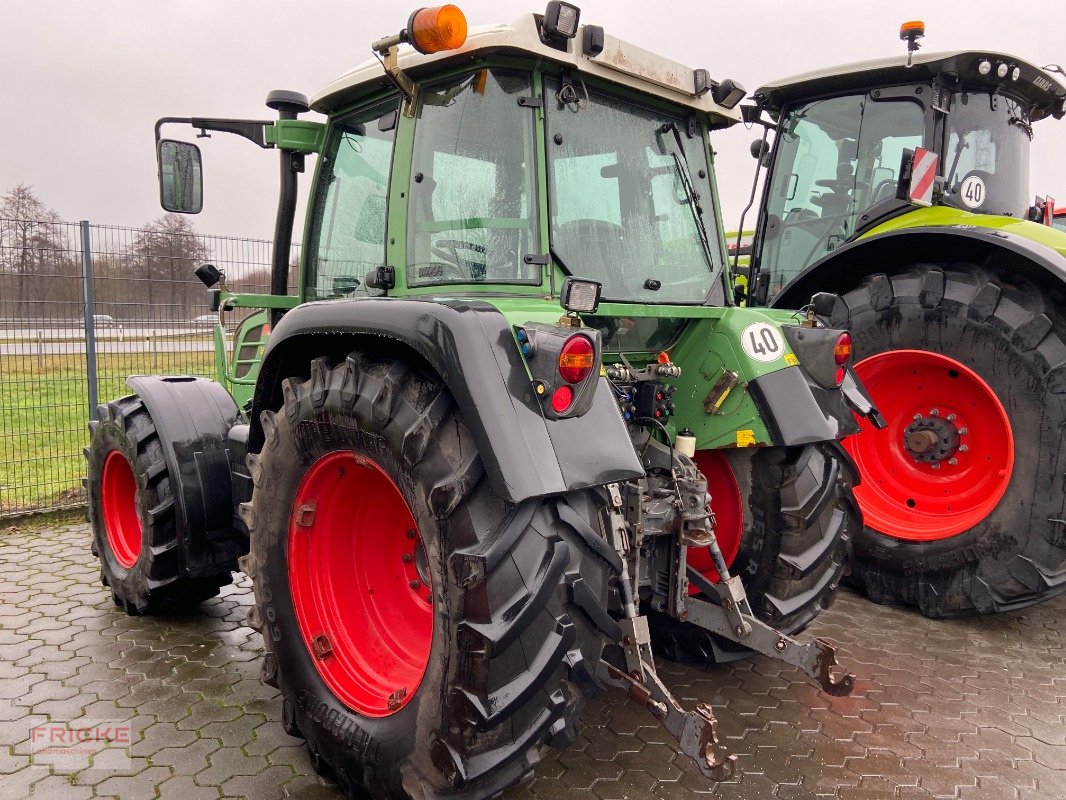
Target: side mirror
{"x": 181, "y": 187}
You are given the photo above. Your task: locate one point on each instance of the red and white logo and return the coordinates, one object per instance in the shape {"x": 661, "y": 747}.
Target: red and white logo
{"x": 923, "y": 174}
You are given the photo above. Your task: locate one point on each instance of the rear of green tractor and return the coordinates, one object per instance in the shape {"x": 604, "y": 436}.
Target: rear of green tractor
{"x": 902, "y": 186}
{"x": 512, "y": 429}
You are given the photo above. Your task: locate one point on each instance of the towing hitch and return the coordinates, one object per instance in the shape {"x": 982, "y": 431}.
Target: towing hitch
{"x": 696, "y": 731}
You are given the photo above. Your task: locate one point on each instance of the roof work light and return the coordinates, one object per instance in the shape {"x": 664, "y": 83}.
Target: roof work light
{"x": 561, "y": 20}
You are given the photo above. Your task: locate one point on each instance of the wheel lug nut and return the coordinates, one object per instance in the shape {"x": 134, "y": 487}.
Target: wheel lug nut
{"x": 963, "y": 431}
{"x": 953, "y": 461}
{"x": 411, "y": 534}
{"x": 934, "y": 412}
{"x": 951, "y": 417}
{"x": 963, "y": 448}
{"x": 936, "y": 466}
{"x": 415, "y": 584}
{"x": 917, "y": 417}
{"x": 406, "y": 558}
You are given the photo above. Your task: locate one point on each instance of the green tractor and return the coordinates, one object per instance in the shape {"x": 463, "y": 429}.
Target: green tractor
{"x": 510, "y": 428}
{"x": 901, "y": 185}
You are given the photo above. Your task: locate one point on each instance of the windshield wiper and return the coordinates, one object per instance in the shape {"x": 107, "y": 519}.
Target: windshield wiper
{"x": 681, "y": 163}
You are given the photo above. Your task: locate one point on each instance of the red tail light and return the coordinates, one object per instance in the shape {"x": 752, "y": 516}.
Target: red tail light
{"x": 577, "y": 359}
{"x": 842, "y": 350}
{"x": 562, "y": 398}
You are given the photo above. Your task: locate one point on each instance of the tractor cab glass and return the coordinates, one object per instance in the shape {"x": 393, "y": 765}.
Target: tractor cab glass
{"x": 986, "y": 154}
{"x": 835, "y": 159}
{"x": 350, "y": 204}
{"x": 629, "y": 197}
{"x": 472, "y": 215}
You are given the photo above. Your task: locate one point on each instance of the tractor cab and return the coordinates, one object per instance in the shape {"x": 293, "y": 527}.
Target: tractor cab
{"x": 843, "y": 159}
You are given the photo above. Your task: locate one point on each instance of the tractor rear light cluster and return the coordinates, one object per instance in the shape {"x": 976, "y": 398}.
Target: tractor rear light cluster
{"x": 576, "y": 359}
{"x": 563, "y": 365}
{"x": 842, "y": 355}
{"x": 842, "y": 349}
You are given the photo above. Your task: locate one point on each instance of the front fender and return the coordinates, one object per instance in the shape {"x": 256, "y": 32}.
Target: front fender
{"x": 471, "y": 347}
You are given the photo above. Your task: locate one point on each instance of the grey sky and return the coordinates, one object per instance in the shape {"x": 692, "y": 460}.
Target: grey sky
{"x": 85, "y": 81}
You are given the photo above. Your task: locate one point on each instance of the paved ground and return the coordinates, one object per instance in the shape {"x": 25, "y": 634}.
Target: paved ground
{"x": 970, "y": 709}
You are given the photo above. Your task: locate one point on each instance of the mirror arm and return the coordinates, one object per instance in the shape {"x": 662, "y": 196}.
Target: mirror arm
{"x": 250, "y": 129}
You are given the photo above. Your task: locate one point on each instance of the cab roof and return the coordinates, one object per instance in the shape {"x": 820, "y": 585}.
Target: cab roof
{"x": 619, "y": 62}
{"x": 1044, "y": 93}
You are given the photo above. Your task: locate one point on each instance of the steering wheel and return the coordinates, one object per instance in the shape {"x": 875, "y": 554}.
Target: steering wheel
{"x": 887, "y": 188}
{"x": 447, "y": 261}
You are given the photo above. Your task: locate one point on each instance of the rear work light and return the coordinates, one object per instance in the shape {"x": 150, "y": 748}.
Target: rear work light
{"x": 577, "y": 359}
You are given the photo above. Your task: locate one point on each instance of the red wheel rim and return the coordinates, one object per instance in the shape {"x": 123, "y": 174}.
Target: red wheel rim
{"x": 118, "y": 502}
{"x": 360, "y": 584}
{"x": 906, "y": 497}
{"x": 728, "y": 514}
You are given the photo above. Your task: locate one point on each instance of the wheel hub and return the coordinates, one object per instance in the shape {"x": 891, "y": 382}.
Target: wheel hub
{"x": 946, "y": 458}
{"x": 931, "y": 439}
{"x": 361, "y": 583}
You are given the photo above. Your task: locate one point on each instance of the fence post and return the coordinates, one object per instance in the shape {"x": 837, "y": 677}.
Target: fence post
{"x": 90, "y": 321}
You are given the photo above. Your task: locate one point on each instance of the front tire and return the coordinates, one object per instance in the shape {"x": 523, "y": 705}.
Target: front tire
{"x": 979, "y": 360}
{"x": 131, "y": 510}
{"x": 798, "y": 517}
{"x": 498, "y": 657}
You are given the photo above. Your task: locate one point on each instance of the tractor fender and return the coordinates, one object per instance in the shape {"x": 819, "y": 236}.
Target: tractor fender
{"x": 847, "y": 266}
{"x": 472, "y": 348}
{"x": 193, "y": 417}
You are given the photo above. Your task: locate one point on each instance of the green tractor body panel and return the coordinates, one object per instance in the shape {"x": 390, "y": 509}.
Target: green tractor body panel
{"x": 708, "y": 340}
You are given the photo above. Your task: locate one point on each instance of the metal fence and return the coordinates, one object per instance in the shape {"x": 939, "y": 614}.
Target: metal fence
{"x": 82, "y": 306}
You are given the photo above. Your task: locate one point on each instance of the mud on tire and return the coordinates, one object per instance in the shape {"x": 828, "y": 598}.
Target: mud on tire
{"x": 799, "y": 519}
{"x": 1008, "y": 331}
{"x": 512, "y": 655}
{"x": 154, "y": 583}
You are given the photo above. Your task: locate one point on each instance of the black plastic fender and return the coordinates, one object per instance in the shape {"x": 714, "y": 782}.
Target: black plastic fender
{"x": 193, "y": 417}
{"x": 470, "y": 344}
{"x": 847, "y": 266}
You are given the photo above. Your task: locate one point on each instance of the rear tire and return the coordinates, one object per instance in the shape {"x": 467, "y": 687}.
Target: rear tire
{"x": 1009, "y": 333}
{"x": 799, "y": 518}
{"x": 512, "y": 655}
{"x": 131, "y": 510}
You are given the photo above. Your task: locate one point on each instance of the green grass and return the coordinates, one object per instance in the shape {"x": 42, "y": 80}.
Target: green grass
{"x": 44, "y": 420}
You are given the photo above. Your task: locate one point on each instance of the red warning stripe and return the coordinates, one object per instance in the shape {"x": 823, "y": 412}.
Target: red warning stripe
{"x": 923, "y": 173}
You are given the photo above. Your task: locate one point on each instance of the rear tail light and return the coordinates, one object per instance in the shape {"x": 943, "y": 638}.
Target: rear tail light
{"x": 562, "y": 398}
{"x": 842, "y": 350}
{"x": 576, "y": 359}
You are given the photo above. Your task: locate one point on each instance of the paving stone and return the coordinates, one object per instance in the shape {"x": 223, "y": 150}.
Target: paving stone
{"x": 961, "y": 709}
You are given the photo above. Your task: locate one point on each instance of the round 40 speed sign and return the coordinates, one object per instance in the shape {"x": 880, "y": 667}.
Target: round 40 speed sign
{"x": 762, "y": 342}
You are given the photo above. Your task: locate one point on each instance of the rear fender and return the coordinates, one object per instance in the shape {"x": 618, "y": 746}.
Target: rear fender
{"x": 471, "y": 346}
{"x": 846, "y": 267}
{"x": 193, "y": 417}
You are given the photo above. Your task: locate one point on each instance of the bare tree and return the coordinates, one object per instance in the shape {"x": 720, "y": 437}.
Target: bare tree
{"x": 163, "y": 256}
{"x": 31, "y": 242}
